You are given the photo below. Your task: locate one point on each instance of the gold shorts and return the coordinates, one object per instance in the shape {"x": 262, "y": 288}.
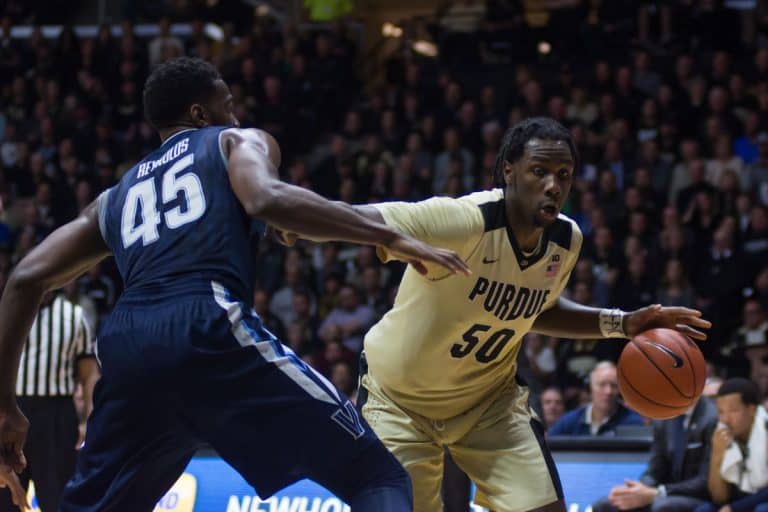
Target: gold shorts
{"x": 499, "y": 444}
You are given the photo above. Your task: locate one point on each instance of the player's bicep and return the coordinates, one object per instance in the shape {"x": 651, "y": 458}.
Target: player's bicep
{"x": 253, "y": 158}
{"x": 65, "y": 254}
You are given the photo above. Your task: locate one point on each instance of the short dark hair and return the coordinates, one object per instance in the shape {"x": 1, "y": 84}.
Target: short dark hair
{"x": 750, "y": 395}
{"x": 175, "y": 85}
{"x": 513, "y": 143}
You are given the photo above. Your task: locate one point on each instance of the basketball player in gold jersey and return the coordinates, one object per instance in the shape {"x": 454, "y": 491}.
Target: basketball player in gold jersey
{"x": 439, "y": 368}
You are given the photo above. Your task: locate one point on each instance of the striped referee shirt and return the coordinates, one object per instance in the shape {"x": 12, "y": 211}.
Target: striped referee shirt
{"x": 59, "y": 337}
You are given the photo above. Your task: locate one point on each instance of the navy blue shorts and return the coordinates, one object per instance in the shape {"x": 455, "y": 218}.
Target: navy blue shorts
{"x": 203, "y": 370}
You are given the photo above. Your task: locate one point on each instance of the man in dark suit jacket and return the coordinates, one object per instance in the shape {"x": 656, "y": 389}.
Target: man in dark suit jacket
{"x": 676, "y": 477}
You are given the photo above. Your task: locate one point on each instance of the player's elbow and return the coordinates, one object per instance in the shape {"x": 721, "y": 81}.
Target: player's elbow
{"x": 26, "y": 278}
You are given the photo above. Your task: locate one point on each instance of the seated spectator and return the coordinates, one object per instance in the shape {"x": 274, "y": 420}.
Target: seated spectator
{"x": 541, "y": 357}
{"x": 675, "y": 289}
{"x": 749, "y": 346}
{"x": 755, "y": 176}
{"x": 271, "y": 321}
{"x": 281, "y": 302}
{"x": 552, "y": 406}
{"x": 755, "y": 241}
{"x": 738, "y": 468}
{"x": 758, "y": 290}
{"x": 723, "y": 160}
{"x": 676, "y": 476}
{"x": 604, "y": 413}
{"x": 350, "y": 320}
{"x": 343, "y": 377}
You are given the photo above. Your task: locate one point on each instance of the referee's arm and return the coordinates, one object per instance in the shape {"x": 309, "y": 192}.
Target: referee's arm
{"x": 87, "y": 375}
{"x": 88, "y": 372}
{"x": 62, "y": 256}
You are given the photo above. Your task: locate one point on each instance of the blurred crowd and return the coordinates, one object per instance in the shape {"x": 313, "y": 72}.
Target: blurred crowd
{"x": 671, "y": 124}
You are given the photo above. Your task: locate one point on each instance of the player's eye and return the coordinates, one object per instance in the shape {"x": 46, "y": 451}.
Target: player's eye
{"x": 538, "y": 171}
{"x": 564, "y": 174}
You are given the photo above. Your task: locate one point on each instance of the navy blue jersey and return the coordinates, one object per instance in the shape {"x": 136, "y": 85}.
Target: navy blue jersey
{"x": 174, "y": 224}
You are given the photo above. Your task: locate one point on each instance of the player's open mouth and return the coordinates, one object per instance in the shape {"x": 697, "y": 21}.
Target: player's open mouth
{"x": 549, "y": 210}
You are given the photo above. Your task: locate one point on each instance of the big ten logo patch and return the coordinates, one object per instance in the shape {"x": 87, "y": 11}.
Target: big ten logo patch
{"x": 181, "y": 497}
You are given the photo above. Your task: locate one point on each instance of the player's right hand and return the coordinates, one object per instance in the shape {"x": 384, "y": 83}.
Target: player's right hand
{"x": 13, "y": 433}
{"x": 418, "y": 253}
{"x": 10, "y": 480}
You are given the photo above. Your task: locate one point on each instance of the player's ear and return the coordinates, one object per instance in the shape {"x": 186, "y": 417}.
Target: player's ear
{"x": 199, "y": 115}
{"x": 509, "y": 171}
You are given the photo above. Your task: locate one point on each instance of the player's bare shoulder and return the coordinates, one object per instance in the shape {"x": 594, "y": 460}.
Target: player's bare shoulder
{"x": 253, "y": 138}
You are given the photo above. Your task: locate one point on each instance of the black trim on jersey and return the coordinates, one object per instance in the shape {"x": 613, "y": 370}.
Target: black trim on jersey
{"x": 362, "y": 393}
{"x": 494, "y": 214}
{"x": 559, "y": 232}
{"x": 538, "y": 431}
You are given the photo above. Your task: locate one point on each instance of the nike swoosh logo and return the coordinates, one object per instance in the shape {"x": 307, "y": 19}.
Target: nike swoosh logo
{"x": 487, "y": 261}
{"x": 678, "y": 361}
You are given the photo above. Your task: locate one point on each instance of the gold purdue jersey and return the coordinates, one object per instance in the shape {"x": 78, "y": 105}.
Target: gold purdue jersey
{"x": 450, "y": 341}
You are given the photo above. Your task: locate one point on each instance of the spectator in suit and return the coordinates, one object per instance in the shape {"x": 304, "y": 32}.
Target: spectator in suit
{"x": 603, "y": 413}
{"x": 676, "y": 477}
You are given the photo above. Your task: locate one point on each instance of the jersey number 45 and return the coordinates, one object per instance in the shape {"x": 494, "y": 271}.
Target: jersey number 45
{"x": 141, "y": 211}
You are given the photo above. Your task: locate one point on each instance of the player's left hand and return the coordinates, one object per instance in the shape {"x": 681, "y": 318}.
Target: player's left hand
{"x": 13, "y": 434}
{"x": 684, "y": 320}
{"x": 10, "y": 480}
{"x": 632, "y": 495}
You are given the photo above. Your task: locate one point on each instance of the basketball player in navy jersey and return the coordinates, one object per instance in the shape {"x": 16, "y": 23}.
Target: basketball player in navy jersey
{"x": 184, "y": 359}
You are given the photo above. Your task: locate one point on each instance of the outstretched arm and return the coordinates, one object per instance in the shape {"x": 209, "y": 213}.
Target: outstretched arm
{"x": 369, "y": 212}
{"x": 253, "y": 157}
{"x": 568, "y": 319}
{"x": 62, "y": 256}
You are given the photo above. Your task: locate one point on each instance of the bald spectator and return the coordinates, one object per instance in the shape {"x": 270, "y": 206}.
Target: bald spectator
{"x": 603, "y": 413}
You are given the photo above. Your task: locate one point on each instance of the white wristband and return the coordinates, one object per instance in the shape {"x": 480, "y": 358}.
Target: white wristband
{"x": 612, "y": 323}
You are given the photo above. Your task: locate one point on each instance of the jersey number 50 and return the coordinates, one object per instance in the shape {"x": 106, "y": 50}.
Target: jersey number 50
{"x": 489, "y": 350}
{"x": 142, "y": 199}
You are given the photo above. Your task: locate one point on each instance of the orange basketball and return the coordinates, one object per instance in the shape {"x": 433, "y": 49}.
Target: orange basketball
{"x": 661, "y": 373}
